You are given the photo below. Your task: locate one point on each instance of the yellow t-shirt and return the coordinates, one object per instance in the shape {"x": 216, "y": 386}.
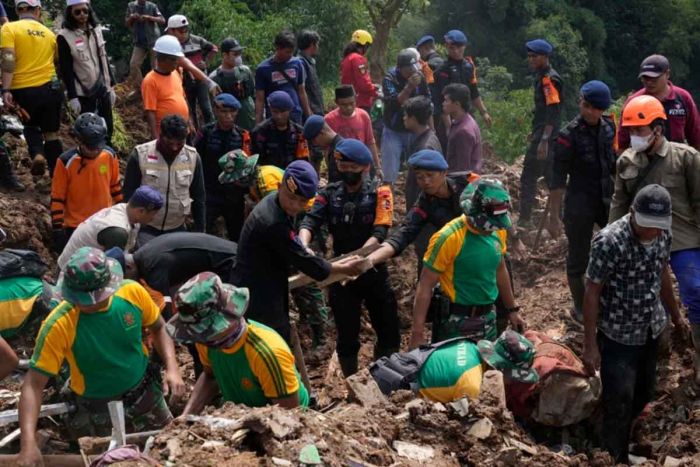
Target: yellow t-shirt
{"x": 35, "y": 49}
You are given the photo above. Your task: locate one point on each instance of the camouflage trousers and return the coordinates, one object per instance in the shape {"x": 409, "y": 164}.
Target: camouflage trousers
{"x": 144, "y": 409}
{"x": 474, "y": 328}
{"x": 311, "y": 303}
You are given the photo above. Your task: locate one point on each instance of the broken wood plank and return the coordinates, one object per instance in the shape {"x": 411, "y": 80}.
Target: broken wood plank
{"x": 301, "y": 279}
{"x": 9, "y": 438}
{"x": 116, "y": 416}
{"x": 11, "y": 416}
{"x": 96, "y": 445}
{"x": 50, "y": 460}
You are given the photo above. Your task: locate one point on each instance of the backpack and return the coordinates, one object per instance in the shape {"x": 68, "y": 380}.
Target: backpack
{"x": 15, "y": 263}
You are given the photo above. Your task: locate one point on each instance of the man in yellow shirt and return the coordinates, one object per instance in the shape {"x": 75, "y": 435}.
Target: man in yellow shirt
{"x": 28, "y": 52}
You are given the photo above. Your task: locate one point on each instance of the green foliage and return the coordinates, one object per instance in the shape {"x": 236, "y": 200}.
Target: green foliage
{"x": 511, "y": 123}
{"x": 121, "y": 141}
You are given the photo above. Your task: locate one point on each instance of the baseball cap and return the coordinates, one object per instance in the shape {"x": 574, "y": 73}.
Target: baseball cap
{"x": 177, "y": 21}
{"x": 29, "y": 3}
{"x": 654, "y": 66}
{"x": 652, "y": 207}
{"x": 230, "y": 44}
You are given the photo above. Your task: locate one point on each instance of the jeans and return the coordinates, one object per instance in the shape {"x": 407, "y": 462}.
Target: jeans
{"x": 686, "y": 266}
{"x": 394, "y": 144}
{"x": 628, "y": 374}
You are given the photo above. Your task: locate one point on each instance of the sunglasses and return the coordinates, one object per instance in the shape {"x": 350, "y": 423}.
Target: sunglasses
{"x": 80, "y": 11}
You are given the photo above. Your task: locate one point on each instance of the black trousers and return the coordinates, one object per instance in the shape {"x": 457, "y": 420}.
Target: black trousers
{"x": 533, "y": 169}
{"x": 374, "y": 290}
{"x": 581, "y": 215}
{"x": 231, "y": 208}
{"x": 102, "y": 106}
{"x": 628, "y": 374}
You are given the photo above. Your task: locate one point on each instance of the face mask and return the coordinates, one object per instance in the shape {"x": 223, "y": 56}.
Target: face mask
{"x": 351, "y": 178}
{"x": 230, "y": 340}
{"x": 641, "y": 143}
{"x": 238, "y": 61}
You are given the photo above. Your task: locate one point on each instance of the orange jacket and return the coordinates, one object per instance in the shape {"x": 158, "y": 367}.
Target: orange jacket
{"x": 81, "y": 187}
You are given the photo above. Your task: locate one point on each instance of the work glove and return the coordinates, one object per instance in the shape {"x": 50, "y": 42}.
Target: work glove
{"x": 74, "y": 106}
{"x": 58, "y": 240}
{"x": 112, "y": 97}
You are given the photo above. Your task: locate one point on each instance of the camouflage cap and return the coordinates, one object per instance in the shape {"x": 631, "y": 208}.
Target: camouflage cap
{"x": 512, "y": 354}
{"x": 89, "y": 277}
{"x": 486, "y": 203}
{"x": 206, "y": 308}
{"x": 237, "y": 166}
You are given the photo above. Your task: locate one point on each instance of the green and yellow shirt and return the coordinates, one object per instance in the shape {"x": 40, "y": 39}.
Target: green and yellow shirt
{"x": 104, "y": 350}
{"x": 466, "y": 261}
{"x": 257, "y": 368}
{"x": 17, "y": 297}
{"x": 452, "y": 372}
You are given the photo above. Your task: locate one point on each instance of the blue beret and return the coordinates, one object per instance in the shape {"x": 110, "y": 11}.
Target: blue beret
{"x": 425, "y": 40}
{"x": 427, "y": 159}
{"x": 539, "y": 47}
{"x": 228, "y": 101}
{"x": 313, "y": 126}
{"x": 596, "y": 93}
{"x": 353, "y": 150}
{"x": 456, "y": 36}
{"x": 280, "y": 100}
{"x": 301, "y": 178}
{"x": 147, "y": 197}
{"x": 117, "y": 254}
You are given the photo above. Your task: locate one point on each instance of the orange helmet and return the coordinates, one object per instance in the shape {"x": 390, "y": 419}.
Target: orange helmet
{"x": 362, "y": 37}
{"x": 642, "y": 110}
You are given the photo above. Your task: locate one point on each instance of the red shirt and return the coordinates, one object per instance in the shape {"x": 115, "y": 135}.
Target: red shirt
{"x": 354, "y": 70}
{"x": 358, "y": 126}
{"x": 683, "y": 124}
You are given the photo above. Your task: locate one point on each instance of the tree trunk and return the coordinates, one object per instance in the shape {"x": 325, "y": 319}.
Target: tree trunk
{"x": 385, "y": 16}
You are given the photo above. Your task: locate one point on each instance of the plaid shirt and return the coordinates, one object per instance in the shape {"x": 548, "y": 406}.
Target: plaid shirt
{"x": 631, "y": 272}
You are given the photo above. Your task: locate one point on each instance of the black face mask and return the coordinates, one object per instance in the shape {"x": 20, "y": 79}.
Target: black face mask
{"x": 351, "y": 178}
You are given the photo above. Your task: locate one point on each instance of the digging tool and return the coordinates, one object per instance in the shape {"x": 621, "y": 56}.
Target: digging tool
{"x": 299, "y": 356}
{"x": 301, "y": 279}
{"x": 11, "y": 416}
{"x": 116, "y": 416}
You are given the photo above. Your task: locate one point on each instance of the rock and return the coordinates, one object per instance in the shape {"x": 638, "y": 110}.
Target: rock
{"x": 461, "y": 406}
{"x": 672, "y": 462}
{"x": 507, "y": 456}
{"x": 492, "y": 385}
{"x": 438, "y": 407}
{"x": 281, "y": 462}
{"x": 213, "y": 444}
{"x": 636, "y": 460}
{"x": 364, "y": 390}
{"x": 309, "y": 455}
{"x": 174, "y": 449}
{"x": 481, "y": 429}
{"x": 413, "y": 451}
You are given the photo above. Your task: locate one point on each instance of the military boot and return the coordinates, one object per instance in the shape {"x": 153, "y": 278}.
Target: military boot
{"x": 8, "y": 179}
{"x": 695, "y": 331}
{"x": 348, "y": 365}
{"x": 577, "y": 289}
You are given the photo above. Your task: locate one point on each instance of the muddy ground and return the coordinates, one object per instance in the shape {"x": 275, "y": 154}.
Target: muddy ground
{"x": 354, "y": 434}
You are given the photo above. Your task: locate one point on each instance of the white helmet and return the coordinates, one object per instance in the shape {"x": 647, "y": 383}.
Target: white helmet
{"x": 168, "y": 45}
{"x": 177, "y": 21}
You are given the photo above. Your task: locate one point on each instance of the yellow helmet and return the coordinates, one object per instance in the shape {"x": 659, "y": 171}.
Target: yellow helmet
{"x": 362, "y": 37}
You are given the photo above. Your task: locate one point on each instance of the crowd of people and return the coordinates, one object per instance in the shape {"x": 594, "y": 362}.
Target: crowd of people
{"x": 137, "y": 251}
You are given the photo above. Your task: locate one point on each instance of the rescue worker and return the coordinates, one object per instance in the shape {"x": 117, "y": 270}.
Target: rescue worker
{"x": 354, "y": 69}
{"x": 358, "y": 212}
{"x": 319, "y": 134}
{"x": 456, "y": 68}
{"x": 175, "y": 170}
{"x": 245, "y": 172}
{"x": 683, "y": 124}
{"x": 400, "y": 83}
{"x": 651, "y": 158}
{"x": 212, "y": 142}
{"x": 245, "y": 361}
{"x": 29, "y": 82}
{"x": 467, "y": 258}
{"x": 268, "y": 246}
{"x": 426, "y": 48}
{"x": 85, "y": 181}
{"x": 628, "y": 285}
{"x": 84, "y": 64}
{"x": 416, "y": 118}
{"x": 308, "y": 44}
{"x": 584, "y": 167}
{"x": 144, "y": 19}
{"x": 545, "y": 125}
{"x": 279, "y": 140}
{"x": 285, "y": 73}
{"x": 199, "y": 51}
{"x": 116, "y": 226}
{"x": 105, "y": 354}
{"x": 235, "y": 78}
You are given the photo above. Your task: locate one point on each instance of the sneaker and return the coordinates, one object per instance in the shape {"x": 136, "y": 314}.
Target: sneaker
{"x": 38, "y": 165}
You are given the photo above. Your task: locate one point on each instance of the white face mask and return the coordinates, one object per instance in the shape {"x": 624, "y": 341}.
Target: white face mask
{"x": 641, "y": 143}
{"x": 238, "y": 61}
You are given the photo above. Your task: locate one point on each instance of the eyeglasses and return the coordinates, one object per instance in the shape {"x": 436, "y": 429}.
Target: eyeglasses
{"x": 80, "y": 11}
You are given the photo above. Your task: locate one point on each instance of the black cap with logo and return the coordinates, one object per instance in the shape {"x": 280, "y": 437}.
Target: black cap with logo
{"x": 652, "y": 207}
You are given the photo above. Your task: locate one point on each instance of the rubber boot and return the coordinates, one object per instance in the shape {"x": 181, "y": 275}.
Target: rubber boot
{"x": 577, "y": 289}
{"x": 8, "y": 179}
{"x": 695, "y": 331}
{"x": 348, "y": 365}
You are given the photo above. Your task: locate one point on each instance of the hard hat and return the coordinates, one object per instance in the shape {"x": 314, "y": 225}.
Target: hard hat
{"x": 168, "y": 45}
{"x": 642, "y": 110}
{"x": 362, "y": 37}
{"x": 177, "y": 21}
{"x": 91, "y": 129}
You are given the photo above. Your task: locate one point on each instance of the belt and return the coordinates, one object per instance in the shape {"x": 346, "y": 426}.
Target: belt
{"x": 470, "y": 310}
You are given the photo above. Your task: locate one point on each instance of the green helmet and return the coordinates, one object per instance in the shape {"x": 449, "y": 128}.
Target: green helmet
{"x": 512, "y": 354}
{"x": 237, "y": 167}
{"x": 207, "y": 308}
{"x": 486, "y": 203}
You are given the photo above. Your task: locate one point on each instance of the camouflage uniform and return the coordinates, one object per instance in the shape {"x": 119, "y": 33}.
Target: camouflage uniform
{"x": 511, "y": 354}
